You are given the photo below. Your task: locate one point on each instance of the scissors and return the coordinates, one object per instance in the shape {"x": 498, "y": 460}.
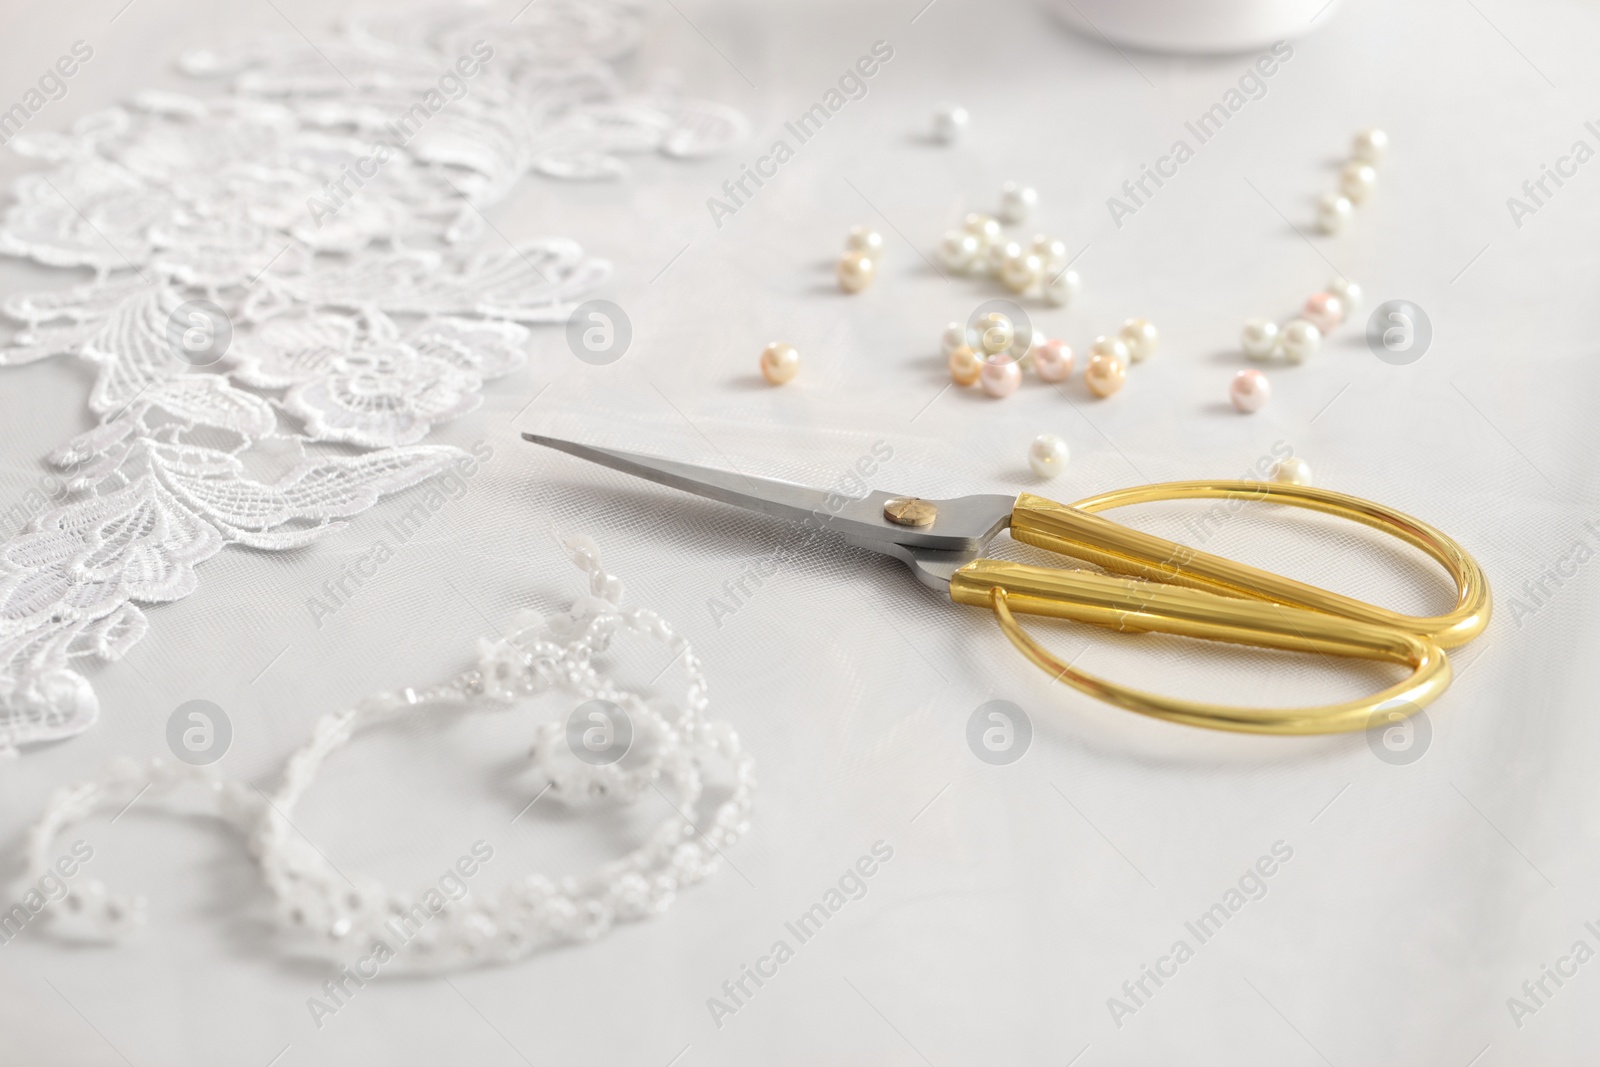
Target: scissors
{"x": 1144, "y": 583}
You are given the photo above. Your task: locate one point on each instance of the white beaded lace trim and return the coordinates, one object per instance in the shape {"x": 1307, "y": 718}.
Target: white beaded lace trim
{"x": 363, "y": 297}
{"x": 322, "y": 913}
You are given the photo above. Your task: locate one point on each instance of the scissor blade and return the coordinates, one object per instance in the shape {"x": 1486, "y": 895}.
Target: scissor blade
{"x": 963, "y": 526}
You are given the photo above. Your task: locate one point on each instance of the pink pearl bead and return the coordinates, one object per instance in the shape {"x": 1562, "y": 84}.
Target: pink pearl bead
{"x": 1324, "y": 310}
{"x": 1000, "y": 375}
{"x": 1250, "y": 390}
{"x": 1052, "y": 361}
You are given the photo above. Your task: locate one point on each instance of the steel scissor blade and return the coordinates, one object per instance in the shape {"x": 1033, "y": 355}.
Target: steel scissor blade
{"x": 964, "y": 525}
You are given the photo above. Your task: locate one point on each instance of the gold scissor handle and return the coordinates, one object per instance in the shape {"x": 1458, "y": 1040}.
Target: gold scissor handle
{"x": 1196, "y": 594}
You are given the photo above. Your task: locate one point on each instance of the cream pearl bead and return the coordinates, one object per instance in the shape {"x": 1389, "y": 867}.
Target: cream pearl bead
{"x": 779, "y": 362}
{"x": 866, "y": 240}
{"x": 1022, "y": 272}
{"x": 1333, "y": 211}
{"x": 964, "y": 365}
{"x": 949, "y": 123}
{"x": 1000, "y": 376}
{"x": 1062, "y": 287}
{"x": 856, "y": 271}
{"x": 1259, "y": 338}
{"x": 1300, "y": 340}
{"x": 1017, "y": 202}
{"x": 1140, "y": 336}
{"x": 1052, "y": 361}
{"x": 995, "y": 333}
{"x": 1324, "y": 311}
{"x": 1250, "y": 390}
{"x": 1370, "y": 146}
{"x": 1048, "y": 455}
{"x": 1000, "y": 254}
{"x": 959, "y": 250}
{"x": 1357, "y": 180}
{"x": 1349, "y": 294}
{"x": 986, "y": 228}
{"x": 954, "y": 337}
{"x": 1114, "y": 347}
{"x": 1105, "y": 374}
{"x": 1292, "y": 470}
{"x": 1052, "y": 250}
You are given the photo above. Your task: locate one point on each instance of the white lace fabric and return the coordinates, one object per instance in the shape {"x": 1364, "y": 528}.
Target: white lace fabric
{"x": 363, "y": 295}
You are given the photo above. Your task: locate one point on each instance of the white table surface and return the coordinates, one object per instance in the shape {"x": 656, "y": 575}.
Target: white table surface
{"x": 1019, "y": 898}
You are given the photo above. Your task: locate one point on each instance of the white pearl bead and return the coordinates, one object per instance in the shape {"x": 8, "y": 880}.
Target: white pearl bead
{"x": 856, "y": 271}
{"x": 1022, "y": 272}
{"x": 1250, "y": 390}
{"x": 1349, "y": 294}
{"x": 1140, "y": 335}
{"x": 986, "y": 228}
{"x": 960, "y": 249}
{"x": 949, "y": 123}
{"x": 1000, "y": 254}
{"x": 1113, "y": 347}
{"x": 1048, "y": 455}
{"x": 1300, "y": 340}
{"x": 1017, "y": 202}
{"x": 955, "y": 336}
{"x": 864, "y": 239}
{"x": 1333, "y": 211}
{"x": 1292, "y": 470}
{"x": 1357, "y": 180}
{"x": 1052, "y": 250}
{"x": 1259, "y": 339}
{"x": 1062, "y": 287}
{"x": 1370, "y": 146}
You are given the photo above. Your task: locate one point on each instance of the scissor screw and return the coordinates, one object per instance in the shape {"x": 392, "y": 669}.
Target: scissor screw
{"x": 910, "y": 511}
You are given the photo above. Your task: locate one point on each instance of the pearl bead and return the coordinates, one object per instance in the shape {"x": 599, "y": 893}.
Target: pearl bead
{"x": 1292, "y": 470}
{"x": 1349, "y": 294}
{"x": 856, "y": 271}
{"x": 959, "y": 250}
{"x": 1114, "y": 347}
{"x": 1052, "y": 250}
{"x": 949, "y": 123}
{"x": 995, "y": 333}
{"x": 1357, "y": 180}
{"x": 1370, "y": 146}
{"x": 1000, "y": 254}
{"x": 1017, "y": 202}
{"x": 955, "y": 336}
{"x": 965, "y": 366}
{"x": 866, "y": 240}
{"x": 1021, "y": 273}
{"x": 779, "y": 362}
{"x": 1105, "y": 374}
{"x": 1333, "y": 211}
{"x": 1052, "y": 361}
{"x": 1250, "y": 390}
{"x": 986, "y": 228}
{"x": 1140, "y": 337}
{"x": 1000, "y": 376}
{"x": 1061, "y": 288}
{"x": 1324, "y": 311}
{"x": 1259, "y": 339}
{"x": 1048, "y": 455}
{"x": 1300, "y": 340}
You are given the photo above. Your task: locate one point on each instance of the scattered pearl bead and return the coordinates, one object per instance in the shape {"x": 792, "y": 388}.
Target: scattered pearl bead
{"x": 1048, "y": 455}
{"x": 1370, "y": 146}
{"x": 1105, "y": 374}
{"x": 1292, "y": 470}
{"x": 1348, "y": 292}
{"x": 1061, "y": 288}
{"x": 1000, "y": 254}
{"x": 986, "y": 228}
{"x": 955, "y": 336}
{"x": 1052, "y": 361}
{"x": 1017, "y": 202}
{"x": 866, "y": 240}
{"x": 1052, "y": 250}
{"x": 1250, "y": 390}
{"x": 779, "y": 362}
{"x": 1000, "y": 376}
{"x": 960, "y": 250}
{"x": 1324, "y": 311}
{"x": 856, "y": 271}
{"x": 1259, "y": 339}
{"x": 949, "y": 123}
{"x": 1114, "y": 347}
{"x": 1357, "y": 180}
{"x": 1140, "y": 337}
{"x": 1022, "y": 272}
{"x": 965, "y": 366}
{"x": 995, "y": 333}
{"x": 1300, "y": 340}
{"x": 1333, "y": 211}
